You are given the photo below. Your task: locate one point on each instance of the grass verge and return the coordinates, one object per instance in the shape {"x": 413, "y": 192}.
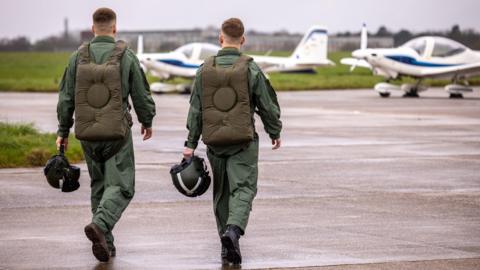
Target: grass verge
{"x": 42, "y": 72}
{"x": 24, "y": 146}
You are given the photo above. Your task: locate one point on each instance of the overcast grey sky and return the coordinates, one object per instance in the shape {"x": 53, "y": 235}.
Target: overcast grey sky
{"x": 39, "y": 18}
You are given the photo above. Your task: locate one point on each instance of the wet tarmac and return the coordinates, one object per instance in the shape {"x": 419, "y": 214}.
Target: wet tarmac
{"x": 361, "y": 182}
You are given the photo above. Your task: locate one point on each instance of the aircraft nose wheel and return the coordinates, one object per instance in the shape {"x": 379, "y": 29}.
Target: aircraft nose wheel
{"x": 456, "y": 95}
{"x": 384, "y": 95}
{"x": 411, "y": 94}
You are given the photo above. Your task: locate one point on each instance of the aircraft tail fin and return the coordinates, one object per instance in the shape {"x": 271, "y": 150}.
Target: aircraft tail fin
{"x": 313, "y": 47}
{"x": 140, "y": 44}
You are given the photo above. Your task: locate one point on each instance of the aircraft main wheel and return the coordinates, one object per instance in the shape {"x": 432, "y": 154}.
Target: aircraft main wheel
{"x": 384, "y": 95}
{"x": 456, "y": 95}
{"x": 411, "y": 94}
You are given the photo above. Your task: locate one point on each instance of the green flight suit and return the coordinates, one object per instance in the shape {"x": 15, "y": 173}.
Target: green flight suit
{"x": 112, "y": 180}
{"x": 235, "y": 167}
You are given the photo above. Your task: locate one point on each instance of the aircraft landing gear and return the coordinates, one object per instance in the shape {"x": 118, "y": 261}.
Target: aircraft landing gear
{"x": 384, "y": 94}
{"x": 456, "y": 90}
{"x": 384, "y": 88}
{"x": 411, "y": 91}
{"x": 456, "y": 95}
{"x": 411, "y": 94}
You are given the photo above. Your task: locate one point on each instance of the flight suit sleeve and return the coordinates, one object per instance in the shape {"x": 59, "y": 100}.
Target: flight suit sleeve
{"x": 66, "y": 98}
{"x": 266, "y": 103}
{"x": 194, "y": 120}
{"x": 140, "y": 93}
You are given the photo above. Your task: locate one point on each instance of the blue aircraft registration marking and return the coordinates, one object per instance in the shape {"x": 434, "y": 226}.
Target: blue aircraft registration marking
{"x": 177, "y": 63}
{"x": 414, "y": 62}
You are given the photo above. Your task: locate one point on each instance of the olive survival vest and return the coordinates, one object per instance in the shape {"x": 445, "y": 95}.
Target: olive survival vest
{"x": 226, "y": 113}
{"x": 99, "y": 113}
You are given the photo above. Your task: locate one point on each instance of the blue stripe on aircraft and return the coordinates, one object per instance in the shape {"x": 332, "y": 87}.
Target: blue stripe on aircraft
{"x": 177, "y": 63}
{"x": 414, "y": 62}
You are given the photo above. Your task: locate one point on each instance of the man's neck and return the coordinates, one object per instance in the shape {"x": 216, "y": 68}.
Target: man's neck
{"x": 112, "y": 35}
{"x": 227, "y": 45}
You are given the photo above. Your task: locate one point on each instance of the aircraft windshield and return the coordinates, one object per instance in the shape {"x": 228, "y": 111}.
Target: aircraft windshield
{"x": 207, "y": 51}
{"x": 187, "y": 50}
{"x": 446, "y": 47}
{"x": 417, "y": 44}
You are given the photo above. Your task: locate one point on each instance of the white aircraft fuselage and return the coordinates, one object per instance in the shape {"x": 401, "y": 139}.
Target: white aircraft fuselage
{"x": 390, "y": 63}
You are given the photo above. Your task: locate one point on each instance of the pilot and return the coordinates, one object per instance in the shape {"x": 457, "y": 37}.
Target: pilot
{"x": 96, "y": 84}
{"x": 228, "y": 89}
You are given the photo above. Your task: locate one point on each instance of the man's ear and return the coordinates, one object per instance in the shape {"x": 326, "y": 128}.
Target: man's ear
{"x": 93, "y": 29}
{"x": 221, "y": 39}
{"x": 242, "y": 40}
{"x": 114, "y": 28}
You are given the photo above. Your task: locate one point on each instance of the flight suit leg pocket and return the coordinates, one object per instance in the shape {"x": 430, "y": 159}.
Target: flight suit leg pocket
{"x": 246, "y": 199}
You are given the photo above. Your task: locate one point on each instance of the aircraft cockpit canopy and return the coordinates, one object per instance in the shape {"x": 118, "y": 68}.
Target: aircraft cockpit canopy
{"x": 207, "y": 50}
{"x": 444, "y": 47}
{"x": 417, "y": 44}
{"x": 435, "y": 46}
{"x": 186, "y": 50}
{"x": 198, "y": 51}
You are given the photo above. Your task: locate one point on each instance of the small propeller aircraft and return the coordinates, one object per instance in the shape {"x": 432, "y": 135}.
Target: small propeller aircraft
{"x": 183, "y": 62}
{"x": 420, "y": 58}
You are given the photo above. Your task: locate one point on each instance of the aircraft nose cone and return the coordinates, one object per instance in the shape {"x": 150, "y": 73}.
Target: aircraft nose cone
{"x": 363, "y": 54}
{"x": 360, "y": 54}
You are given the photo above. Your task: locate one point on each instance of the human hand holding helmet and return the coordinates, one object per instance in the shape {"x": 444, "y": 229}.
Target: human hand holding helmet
{"x": 61, "y": 141}
{"x": 188, "y": 153}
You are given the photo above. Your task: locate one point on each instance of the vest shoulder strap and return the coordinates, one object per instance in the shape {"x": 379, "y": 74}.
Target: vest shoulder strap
{"x": 118, "y": 51}
{"x": 243, "y": 59}
{"x": 84, "y": 53}
{"x": 210, "y": 61}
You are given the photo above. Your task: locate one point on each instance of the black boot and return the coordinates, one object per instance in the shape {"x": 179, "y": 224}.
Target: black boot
{"x": 223, "y": 254}
{"x": 99, "y": 244}
{"x": 113, "y": 251}
{"x": 230, "y": 242}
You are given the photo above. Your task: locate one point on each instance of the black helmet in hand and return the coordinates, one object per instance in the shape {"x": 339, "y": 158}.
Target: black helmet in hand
{"x": 191, "y": 177}
{"x": 60, "y": 174}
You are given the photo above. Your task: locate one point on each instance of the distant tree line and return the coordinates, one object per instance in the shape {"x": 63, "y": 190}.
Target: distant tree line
{"x": 468, "y": 37}
{"x": 52, "y": 43}
{"x": 66, "y": 42}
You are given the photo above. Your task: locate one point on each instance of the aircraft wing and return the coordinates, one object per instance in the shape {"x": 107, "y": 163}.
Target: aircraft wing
{"x": 355, "y": 62}
{"x": 469, "y": 69}
{"x": 325, "y": 62}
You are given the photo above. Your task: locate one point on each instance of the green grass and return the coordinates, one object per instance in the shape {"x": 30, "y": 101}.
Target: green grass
{"x": 24, "y": 146}
{"x": 332, "y": 77}
{"x": 42, "y": 71}
{"x": 31, "y": 71}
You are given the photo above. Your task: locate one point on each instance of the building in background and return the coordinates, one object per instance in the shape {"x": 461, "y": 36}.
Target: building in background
{"x": 166, "y": 40}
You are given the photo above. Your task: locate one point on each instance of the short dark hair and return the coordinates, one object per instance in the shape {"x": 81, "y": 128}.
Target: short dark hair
{"x": 104, "y": 16}
{"x": 233, "y": 28}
